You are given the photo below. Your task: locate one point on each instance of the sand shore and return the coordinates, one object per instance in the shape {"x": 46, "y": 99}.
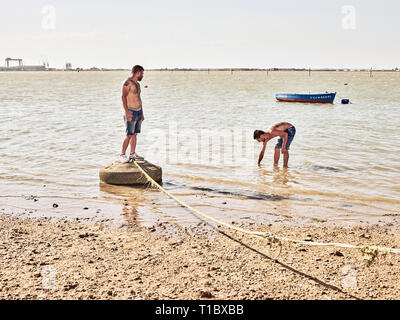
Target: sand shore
{"x": 69, "y": 260}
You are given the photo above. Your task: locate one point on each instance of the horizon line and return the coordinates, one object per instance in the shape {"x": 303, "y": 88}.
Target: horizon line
{"x": 43, "y": 68}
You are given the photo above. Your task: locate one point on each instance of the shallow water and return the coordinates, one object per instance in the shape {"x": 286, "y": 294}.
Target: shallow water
{"x": 59, "y": 128}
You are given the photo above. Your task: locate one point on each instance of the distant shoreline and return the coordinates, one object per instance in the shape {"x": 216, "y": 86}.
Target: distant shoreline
{"x": 33, "y": 68}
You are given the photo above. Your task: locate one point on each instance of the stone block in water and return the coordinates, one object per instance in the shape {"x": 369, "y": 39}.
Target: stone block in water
{"x": 128, "y": 174}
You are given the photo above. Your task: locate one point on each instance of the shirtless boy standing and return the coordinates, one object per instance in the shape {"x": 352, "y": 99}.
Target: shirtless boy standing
{"x": 286, "y": 132}
{"x": 133, "y": 113}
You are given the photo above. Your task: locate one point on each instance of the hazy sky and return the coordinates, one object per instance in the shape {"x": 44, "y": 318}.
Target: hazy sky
{"x": 218, "y": 33}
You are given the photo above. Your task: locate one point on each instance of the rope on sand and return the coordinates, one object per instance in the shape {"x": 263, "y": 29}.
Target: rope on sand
{"x": 367, "y": 250}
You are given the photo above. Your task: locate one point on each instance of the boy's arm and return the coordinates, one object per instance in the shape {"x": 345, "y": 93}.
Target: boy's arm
{"x": 261, "y": 156}
{"x": 125, "y": 91}
{"x": 141, "y": 100}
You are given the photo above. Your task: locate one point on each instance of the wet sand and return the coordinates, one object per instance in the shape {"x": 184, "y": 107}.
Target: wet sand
{"x": 42, "y": 259}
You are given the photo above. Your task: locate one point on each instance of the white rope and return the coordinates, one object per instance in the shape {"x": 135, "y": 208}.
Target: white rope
{"x": 263, "y": 235}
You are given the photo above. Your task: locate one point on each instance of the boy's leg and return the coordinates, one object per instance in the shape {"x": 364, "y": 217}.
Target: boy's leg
{"x": 277, "y": 156}
{"x": 133, "y": 143}
{"x": 129, "y": 127}
{"x": 125, "y": 144}
{"x": 137, "y": 128}
{"x": 285, "y": 159}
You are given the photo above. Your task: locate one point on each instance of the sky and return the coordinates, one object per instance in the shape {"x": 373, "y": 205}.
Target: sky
{"x": 202, "y": 34}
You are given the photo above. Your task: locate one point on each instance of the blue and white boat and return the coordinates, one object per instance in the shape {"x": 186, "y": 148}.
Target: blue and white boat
{"x": 309, "y": 98}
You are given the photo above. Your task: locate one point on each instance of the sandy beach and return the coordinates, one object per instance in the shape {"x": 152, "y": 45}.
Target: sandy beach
{"x": 42, "y": 259}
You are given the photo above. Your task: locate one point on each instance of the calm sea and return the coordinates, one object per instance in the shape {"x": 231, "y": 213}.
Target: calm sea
{"x": 59, "y": 128}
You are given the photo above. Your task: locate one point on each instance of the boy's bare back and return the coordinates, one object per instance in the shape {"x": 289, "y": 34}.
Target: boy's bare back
{"x": 280, "y": 126}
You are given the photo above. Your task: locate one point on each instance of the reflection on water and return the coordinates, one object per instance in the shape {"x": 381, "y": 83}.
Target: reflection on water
{"x": 130, "y": 214}
{"x": 341, "y": 168}
{"x": 279, "y": 176}
{"x": 131, "y": 200}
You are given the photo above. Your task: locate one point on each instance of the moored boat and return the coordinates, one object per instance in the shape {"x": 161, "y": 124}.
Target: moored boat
{"x": 310, "y": 98}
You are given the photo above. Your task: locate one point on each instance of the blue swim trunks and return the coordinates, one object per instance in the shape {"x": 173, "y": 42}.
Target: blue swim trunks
{"x": 133, "y": 127}
{"x": 291, "y": 133}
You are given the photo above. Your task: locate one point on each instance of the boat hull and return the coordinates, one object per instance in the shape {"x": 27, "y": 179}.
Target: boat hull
{"x": 308, "y": 98}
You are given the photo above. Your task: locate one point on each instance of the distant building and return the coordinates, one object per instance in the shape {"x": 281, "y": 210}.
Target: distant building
{"x": 20, "y": 66}
{"x": 33, "y": 68}
{"x": 20, "y": 63}
{"x": 68, "y": 66}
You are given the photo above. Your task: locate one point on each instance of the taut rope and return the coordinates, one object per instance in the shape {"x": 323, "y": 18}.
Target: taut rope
{"x": 266, "y": 235}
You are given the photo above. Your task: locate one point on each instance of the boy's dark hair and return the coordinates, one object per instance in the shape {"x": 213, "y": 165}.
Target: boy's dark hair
{"x": 137, "y": 68}
{"x": 258, "y": 133}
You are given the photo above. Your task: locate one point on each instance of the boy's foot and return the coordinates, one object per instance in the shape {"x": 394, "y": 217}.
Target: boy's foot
{"x": 135, "y": 156}
{"x": 123, "y": 158}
